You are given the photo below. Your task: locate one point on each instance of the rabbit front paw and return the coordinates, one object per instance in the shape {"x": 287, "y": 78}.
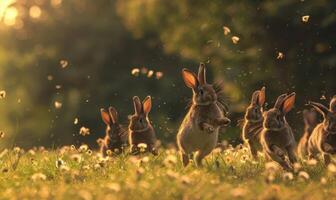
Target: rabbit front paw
{"x": 208, "y": 128}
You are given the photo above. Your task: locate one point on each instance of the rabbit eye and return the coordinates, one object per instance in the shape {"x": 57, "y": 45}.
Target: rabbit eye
{"x": 201, "y": 91}
{"x": 140, "y": 120}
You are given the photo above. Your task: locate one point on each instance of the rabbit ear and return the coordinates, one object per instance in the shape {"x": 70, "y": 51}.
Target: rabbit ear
{"x": 332, "y": 106}
{"x": 202, "y": 74}
{"x": 137, "y": 105}
{"x": 279, "y": 101}
{"x": 105, "y": 116}
{"x": 114, "y": 114}
{"x": 147, "y": 105}
{"x": 319, "y": 107}
{"x": 190, "y": 79}
{"x": 288, "y": 103}
{"x": 255, "y": 97}
{"x": 262, "y": 96}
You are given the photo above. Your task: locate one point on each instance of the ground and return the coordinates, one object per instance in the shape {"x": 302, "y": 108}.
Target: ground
{"x": 78, "y": 173}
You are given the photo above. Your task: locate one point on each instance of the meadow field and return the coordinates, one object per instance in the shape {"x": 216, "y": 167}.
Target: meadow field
{"x": 80, "y": 173}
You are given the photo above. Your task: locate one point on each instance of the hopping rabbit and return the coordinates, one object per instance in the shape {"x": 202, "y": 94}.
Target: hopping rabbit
{"x": 198, "y": 132}
{"x": 323, "y": 138}
{"x": 310, "y": 122}
{"x": 253, "y": 122}
{"x": 277, "y": 137}
{"x": 116, "y": 136}
{"x": 140, "y": 128}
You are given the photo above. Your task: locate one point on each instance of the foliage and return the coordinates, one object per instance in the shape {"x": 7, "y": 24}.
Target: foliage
{"x": 79, "y": 174}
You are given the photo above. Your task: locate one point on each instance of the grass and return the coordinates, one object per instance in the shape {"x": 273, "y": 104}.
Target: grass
{"x": 70, "y": 173}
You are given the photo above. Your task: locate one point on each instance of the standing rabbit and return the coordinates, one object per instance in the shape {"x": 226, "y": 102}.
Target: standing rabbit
{"x": 277, "y": 137}
{"x": 253, "y": 122}
{"x": 140, "y": 128}
{"x": 199, "y": 130}
{"x": 310, "y": 122}
{"x": 116, "y": 136}
{"x": 323, "y": 138}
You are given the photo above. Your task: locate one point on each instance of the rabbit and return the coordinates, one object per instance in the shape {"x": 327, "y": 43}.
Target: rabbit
{"x": 323, "y": 138}
{"x": 310, "y": 122}
{"x": 116, "y": 136}
{"x": 140, "y": 129}
{"x": 199, "y": 130}
{"x": 253, "y": 122}
{"x": 277, "y": 138}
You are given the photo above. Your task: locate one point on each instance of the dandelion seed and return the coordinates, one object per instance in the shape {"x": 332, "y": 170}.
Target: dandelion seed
{"x": 72, "y": 148}
{"x": 2, "y": 134}
{"x": 35, "y": 12}
{"x": 228, "y": 160}
{"x": 288, "y": 176}
{"x": 100, "y": 142}
{"x": 271, "y": 166}
{"x": 31, "y": 152}
{"x": 323, "y": 97}
{"x": 235, "y": 39}
{"x": 39, "y": 177}
{"x": 305, "y": 18}
{"x": 16, "y": 150}
{"x": 323, "y": 181}
{"x": 332, "y": 168}
{"x": 83, "y": 148}
{"x": 244, "y": 158}
{"x": 280, "y": 56}
{"x": 86, "y": 167}
{"x": 270, "y": 178}
{"x": 297, "y": 166}
{"x": 304, "y": 175}
{"x": 115, "y": 187}
{"x": 58, "y": 87}
{"x": 158, "y": 75}
{"x": 226, "y": 30}
{"x": 2, "y": 94}
{"x": 312, "y": 162}
{"x": 84, "y": 131}
{"x": 64, "y": 63}
{"x": 59, "y": 163}
{"x": 58, "y": 105}
{"x": 116, "y": 150}
{"x": 76, "y": 121}
{"x": 76, "y": 158}
{"x": 142, "y": 147}
{"x": 89, "y": 152}
{"x": 170, "y": 160}
{"x": 135, "y": 72}
{"x": 150, "y": 73}
{"x": 145, "y": 159}
{"x": 50, "y": 77}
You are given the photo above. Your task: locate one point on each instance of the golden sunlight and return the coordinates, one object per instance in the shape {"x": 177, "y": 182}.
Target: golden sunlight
{"x": 4, "y": 4}
{"x": 35, "y": 12}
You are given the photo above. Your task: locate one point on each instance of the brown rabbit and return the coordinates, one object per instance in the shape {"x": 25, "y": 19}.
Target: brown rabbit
{"x": 277, "y": 137}
{"x": 310, "y": 122}
{"x": 253, "y": 122}
{"x": 116, "y": 136}
{"x": 199, "y": 129}
{"x": 140, "y": 128}
{"x": 323, "y": 138}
